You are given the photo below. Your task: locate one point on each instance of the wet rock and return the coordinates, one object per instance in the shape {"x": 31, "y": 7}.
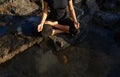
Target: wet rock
{"x": 19, "y": 38}
{"x": 84, "y": 7}
{"x": 117, "y": 36}
{"x": 106, "y": 19}
{"x": 92, "y": 5}
{"x": 18, "y": 7}
{"x": 76, "y": 1}
{"x": 25, "y": 35}
{"x": 115, "y": 72}
{"x": 11, "y": 45}
{"x": 108, "y": 5}
{"x": 60, "y": 43}
{"x": 91, "y": 58}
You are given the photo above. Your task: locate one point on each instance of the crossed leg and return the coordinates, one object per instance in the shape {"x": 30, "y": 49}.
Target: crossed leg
{"x": 60, "y": 28}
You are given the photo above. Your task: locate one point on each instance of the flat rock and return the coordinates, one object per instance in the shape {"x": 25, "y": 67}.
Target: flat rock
{"x": 11, "y": 45}
{"x": 18, "y": 7}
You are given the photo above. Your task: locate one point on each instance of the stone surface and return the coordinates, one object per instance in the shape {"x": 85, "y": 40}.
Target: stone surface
{"x": 92, "y": 53}
{"x": 19, "y": 38}
{"x": 96, "y": 55}
{"x": 12, "y": 45}
{"x": 18, "y": 7}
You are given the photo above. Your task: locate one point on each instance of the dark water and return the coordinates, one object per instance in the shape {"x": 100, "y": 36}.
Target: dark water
{"x": 29, "y": 26}
{"x": 3, "y": 30}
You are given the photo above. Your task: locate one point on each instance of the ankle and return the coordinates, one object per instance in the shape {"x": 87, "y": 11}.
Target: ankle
{"x": 53, "y": 32}
{"x": 55, "y": 23}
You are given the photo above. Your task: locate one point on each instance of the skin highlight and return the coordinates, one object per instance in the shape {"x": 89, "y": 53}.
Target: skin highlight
{"x": 60, "y": 28}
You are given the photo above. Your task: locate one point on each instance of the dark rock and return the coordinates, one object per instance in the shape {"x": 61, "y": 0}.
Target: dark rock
{"x": 76, "y": 1}
{"x": 115, "y": 72}
{"x": 92, "y": 5}
{"x": 55, "y": 56}
{"x": 108, "y": 5}
{"x": 117, "y": 36}
{"x": 106, "y": 19}
{"x": 60, "y": 43}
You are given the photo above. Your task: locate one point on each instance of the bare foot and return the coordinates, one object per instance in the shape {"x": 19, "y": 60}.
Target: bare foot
{"x": 52, "y": 23}
{"x": 55, "y": 31}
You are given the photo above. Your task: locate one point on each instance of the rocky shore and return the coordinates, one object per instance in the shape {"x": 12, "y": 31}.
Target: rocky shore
{"x": 95, "y": 52}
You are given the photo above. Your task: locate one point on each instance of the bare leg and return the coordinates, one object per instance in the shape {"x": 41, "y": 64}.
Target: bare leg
{"x": 64, "y": 28}
{"x": 51, "y": 23}
{"x": 55, "y": 24}
{"x": 56, "y": 31}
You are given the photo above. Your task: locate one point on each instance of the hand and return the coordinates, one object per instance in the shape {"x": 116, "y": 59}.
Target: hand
{"x": 40, "y": 27}
{"x": 77, "y": 25}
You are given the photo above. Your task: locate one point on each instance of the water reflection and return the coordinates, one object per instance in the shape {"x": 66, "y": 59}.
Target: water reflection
{"x": 29, "y": 26}
{"x": 3, "y": 29}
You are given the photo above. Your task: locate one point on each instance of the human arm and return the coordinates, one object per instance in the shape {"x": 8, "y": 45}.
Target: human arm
{"x": 72, "y": 12}
{"x": 44, "y": 16}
